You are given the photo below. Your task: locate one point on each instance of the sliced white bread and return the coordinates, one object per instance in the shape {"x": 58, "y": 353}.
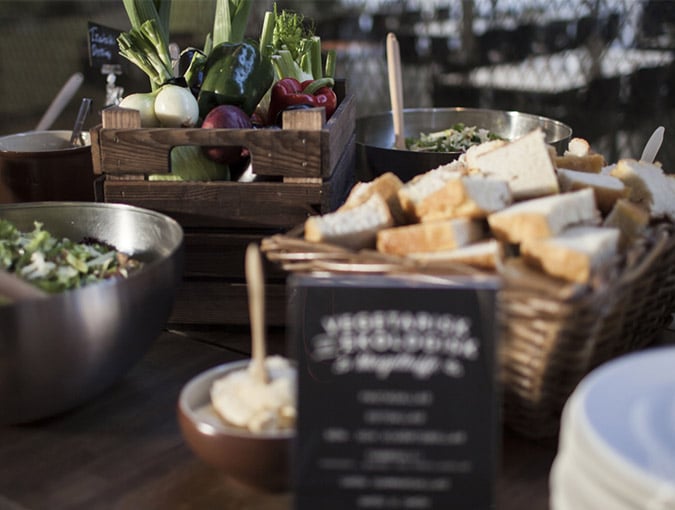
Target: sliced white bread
{"x": 423, "y": 185}
{"x": 630, "y": 218}
{"x": 607, "y": 189}
{"x": 649, "y": 186}
{"x": 576, "y": 254}
{"x": 525, "y": 163}
{"x": 544, "y": 217}
{"x": 431, "y": 236}
{"x": 486, "y": 254}
{"x": 467, "y": 197}
{"x": 475, "y": 151}
{"x": 385, "y": 185}
{"x": 354, "y": 228}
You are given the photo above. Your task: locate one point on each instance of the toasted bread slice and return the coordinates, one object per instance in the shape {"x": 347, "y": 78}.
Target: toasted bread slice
{"x": 354, "y": 228}
{"x": 607, "y": 189}
{"x": 544, "y": 217}
{"x": 421, "y": 186}
{"x": 431, "y": 236}
{"x": 576, "y": 254}
{"x": 487, "y": 254}
{"x": 467, "y": 197}
{"x": 649, "y": 186}
{"x": 630, "y": 218}
{"x": 525, "y": 163}
{"x": 386, "y": 185}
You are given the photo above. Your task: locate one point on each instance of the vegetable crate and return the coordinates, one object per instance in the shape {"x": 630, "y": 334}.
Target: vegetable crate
{"x": 305, "y": 168}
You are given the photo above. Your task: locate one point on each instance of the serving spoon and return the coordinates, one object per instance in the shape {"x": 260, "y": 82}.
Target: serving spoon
{"x": 653, "y": 145}
{"x": 15, "y": 289}
{"x": 395, "y": 88}
{"x": 256, "y": 306}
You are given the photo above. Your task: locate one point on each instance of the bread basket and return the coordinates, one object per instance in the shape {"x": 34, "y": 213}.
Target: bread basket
{"x": 552, "y": 333}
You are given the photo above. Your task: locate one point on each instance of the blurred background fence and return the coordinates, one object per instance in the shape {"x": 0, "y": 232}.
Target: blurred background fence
{"x": 603, "y": 66}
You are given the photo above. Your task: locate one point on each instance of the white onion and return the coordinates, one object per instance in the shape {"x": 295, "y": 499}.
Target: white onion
{"x": 175, "y": 106}
{"x": 145, "y": 104}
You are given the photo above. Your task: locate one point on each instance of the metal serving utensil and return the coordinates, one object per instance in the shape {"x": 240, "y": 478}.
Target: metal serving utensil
{"x": 76, "y": 136}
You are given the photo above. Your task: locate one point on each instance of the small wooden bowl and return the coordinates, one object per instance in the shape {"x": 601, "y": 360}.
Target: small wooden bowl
{"x": 259, "y": 460}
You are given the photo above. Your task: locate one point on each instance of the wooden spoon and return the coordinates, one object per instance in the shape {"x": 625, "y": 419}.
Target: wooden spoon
{"x": 16, "y": 289}
{"x": 395, "y": 88}
{"x": 256, "y": 306}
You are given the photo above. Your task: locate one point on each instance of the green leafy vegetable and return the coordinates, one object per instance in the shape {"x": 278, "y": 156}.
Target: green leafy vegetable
{"x": 55, "y": 265}
{"x": 147, "y": 43}
{"x": 296, "y": 49}
{"x": 458, "y": 138}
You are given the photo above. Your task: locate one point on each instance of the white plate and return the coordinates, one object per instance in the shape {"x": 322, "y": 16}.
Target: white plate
{"x": 619, "y": 428}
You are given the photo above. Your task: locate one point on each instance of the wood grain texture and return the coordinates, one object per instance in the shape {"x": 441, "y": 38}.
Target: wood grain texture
{"x": 123, "y": 449}
{"x": 301, "y": 151}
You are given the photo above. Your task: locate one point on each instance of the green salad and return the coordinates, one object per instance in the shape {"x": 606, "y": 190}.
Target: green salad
{"x": 457, "y": 138}
{"x": 55, "y": 265}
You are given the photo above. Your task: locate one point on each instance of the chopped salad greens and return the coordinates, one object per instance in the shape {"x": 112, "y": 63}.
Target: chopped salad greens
{"x": 457, "y": 138}
{"x": 55, "y": 265}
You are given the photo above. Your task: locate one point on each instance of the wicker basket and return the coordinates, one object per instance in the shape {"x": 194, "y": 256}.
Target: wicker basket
{"x": 552, "y": 333}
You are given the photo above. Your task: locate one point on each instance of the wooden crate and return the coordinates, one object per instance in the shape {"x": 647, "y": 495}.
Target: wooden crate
{"x": 303, "y": 169}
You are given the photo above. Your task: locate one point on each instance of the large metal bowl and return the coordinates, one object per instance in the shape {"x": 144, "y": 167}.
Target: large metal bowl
{"x": 375, "y": 136}
{"x": 58, "y": 352}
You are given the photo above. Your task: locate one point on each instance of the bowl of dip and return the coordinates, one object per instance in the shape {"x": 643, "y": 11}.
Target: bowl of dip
{"x": 256, "y": 450}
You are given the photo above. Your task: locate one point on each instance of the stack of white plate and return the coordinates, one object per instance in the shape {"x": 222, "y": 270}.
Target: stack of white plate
{"x": 617, "y": 438}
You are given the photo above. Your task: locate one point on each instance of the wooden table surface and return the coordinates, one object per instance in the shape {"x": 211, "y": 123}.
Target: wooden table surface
{"x": 124, "y": 450}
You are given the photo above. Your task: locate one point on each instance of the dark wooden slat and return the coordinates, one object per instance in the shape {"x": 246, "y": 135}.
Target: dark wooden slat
{"x": 219, "y": 302}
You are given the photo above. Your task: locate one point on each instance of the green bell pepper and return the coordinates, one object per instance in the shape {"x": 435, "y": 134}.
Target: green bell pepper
{"x": 236, "y": 74}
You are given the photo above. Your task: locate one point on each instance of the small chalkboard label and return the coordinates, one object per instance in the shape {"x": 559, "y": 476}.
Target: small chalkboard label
{"x": 103, "y": 48}
{"x": 397, "y": 398}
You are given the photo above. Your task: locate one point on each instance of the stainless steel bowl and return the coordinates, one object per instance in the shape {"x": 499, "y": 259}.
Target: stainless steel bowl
{"x": 58, "y": 352}
{"x": 375, "y": 136}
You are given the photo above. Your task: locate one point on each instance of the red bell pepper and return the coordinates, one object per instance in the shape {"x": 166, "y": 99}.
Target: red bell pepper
{"x": 289, "y": 92}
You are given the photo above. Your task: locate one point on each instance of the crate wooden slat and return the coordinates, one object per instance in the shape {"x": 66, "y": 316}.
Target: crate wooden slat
{"x": 306, "y": 168}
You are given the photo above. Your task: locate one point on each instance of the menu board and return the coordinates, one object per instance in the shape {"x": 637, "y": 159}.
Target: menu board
{"x": 397, "y": 399}
{"x": 103, "y": 47}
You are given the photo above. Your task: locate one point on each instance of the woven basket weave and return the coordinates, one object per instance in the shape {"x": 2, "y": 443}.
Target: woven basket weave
{"x": 552, "y": 333}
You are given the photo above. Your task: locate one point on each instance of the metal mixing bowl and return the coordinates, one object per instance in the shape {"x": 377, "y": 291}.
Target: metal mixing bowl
{"x": 375, "y": 136}
{"x": 58, "y": 352}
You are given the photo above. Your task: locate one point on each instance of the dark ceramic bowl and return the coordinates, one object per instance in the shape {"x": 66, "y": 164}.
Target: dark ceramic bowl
{"x": 375, "y": 137}
{"x": 56, "y": 353}
{"x": 259, "y": 460}
{"x": 43, "y": 165}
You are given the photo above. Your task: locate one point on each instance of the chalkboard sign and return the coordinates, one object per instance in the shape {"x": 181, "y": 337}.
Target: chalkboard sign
{"x": 103, "y": 48}
{"x": 397, "y": 395}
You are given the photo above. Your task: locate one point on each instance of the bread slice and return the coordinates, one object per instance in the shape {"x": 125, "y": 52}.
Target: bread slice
{"x": 431, "y": 236}
{"x": 649, "y": 186}
{"x": 423, "y": 185}
{"x": 544, "y": 217}
{"x": 576, "y": 254}
{"x": 354, "y": 228}
{"x": 385, "y": 185}
{"x": 525, "y": 163}
{"x": 468, "y": 197}
{"x": 473, "y": 152}
{"x": 579, "y": 157}
{"x": 487, "y": 254}
{"x": 607, "y": 189}
{"x": 631, "y": 220}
